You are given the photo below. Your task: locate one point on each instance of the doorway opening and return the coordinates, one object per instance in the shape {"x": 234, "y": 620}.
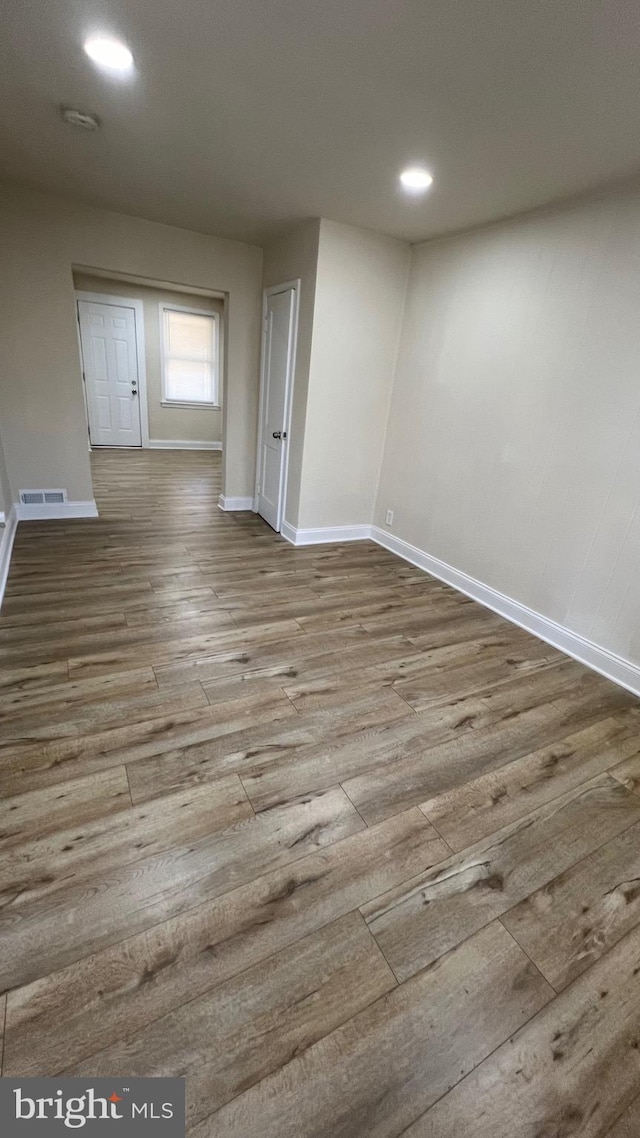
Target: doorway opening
{"x": 279, "y": 336}
{"x": 152, "y": 358}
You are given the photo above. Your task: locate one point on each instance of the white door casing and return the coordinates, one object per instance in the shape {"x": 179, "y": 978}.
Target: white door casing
{"x": 278, "y": 362}
{"x": 108, "y": 337}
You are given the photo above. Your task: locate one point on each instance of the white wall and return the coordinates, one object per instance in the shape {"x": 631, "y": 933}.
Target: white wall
{"x": 181, "y": 424}
{"x": 41, "y": 400}
{"x": 295, "y": 257}
{"x": 513, "y": 447}
{"x": 359, "y": 297}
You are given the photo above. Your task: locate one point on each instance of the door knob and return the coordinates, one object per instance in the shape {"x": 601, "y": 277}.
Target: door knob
{"x": 134, "y": 390}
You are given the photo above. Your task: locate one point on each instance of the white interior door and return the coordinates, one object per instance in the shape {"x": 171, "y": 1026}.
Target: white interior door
{"x": 110, "y": 361}
{"x": 277, "y": 370}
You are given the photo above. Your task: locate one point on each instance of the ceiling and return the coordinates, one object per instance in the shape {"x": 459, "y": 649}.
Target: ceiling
{"x": 245, "y": 116}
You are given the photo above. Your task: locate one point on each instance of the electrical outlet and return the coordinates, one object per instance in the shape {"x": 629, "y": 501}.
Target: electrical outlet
{"x": 388, "y": 521}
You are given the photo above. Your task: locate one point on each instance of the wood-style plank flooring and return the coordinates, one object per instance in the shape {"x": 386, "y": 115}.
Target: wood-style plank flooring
{"x": 355, "y": 856}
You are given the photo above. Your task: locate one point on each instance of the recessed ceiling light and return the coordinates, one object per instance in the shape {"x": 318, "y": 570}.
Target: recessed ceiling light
{"x": 416, "y": 180}
{"x": 109, "y": 54}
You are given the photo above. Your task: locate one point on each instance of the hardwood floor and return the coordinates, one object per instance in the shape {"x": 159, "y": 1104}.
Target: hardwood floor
{"x": 351, "y": 853}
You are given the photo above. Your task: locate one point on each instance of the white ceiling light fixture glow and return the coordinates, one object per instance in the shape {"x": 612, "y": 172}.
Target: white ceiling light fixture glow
{"x": 109, "y": 54}
{"x": 415, "y": 180}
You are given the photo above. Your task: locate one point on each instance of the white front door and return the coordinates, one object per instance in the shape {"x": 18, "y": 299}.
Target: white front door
{"x": 277, "y": 370}
{"x": 110, "y": 361}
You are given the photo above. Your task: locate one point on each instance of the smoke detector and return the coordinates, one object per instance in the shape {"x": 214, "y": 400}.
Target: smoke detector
{"x": 80, "y": 118}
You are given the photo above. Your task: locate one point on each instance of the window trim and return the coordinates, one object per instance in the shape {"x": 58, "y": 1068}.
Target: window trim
{"x": 165, "y": 400}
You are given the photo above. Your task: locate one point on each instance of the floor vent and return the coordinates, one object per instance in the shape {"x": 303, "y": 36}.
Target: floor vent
{"x": 42, "y": 497}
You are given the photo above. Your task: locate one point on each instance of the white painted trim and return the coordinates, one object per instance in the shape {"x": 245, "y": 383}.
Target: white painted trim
{"x": 599, "y": 659}
{"x": 164, "y": 306}
{"x": 326, "y": 534}
{"x": 138, "y": 306}
{"x": 291, "y": 533}
{"x": 6, "y": 546}
{"x": 175, "y": 403}
{"x": 229, "y": 504}
{"x": 183, "y": 444}
{"x": 616, "y": 668}
{"x": 288, "y": 414}
{"x": 59, "y": 511}
{"x": 295, "y": 285}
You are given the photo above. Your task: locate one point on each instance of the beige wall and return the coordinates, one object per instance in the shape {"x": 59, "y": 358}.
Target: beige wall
{"x": 513, "y": 448}
{"x": 295, "y": 257}
{"x": 360, "y": 289}
{"x": 181, "y": 424}
{"x": 41, "y": 401}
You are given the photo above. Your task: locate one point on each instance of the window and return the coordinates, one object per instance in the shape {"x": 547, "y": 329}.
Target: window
{"x": 189, "y": 357}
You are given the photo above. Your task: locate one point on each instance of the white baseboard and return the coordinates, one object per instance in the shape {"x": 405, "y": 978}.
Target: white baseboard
{"x": 7, "y": 535}
{"x": 325, "y": 534}
{"x": 229, "y": 504}
{"x": 183, "y": 444}
{"x": 58, "y": 511}
{"x": 290, "y": 532}
{"x": 616, "y": 668}
{"x": 608, "y": 664}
